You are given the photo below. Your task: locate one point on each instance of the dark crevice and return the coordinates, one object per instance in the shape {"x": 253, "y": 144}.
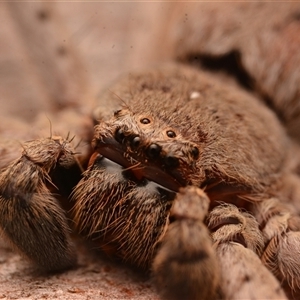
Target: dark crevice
{"x": 229, "y": 64}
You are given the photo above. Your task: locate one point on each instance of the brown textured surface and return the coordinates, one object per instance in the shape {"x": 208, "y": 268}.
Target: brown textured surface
{"x": 55, "y": 58}
{"x": 94, "y": 278}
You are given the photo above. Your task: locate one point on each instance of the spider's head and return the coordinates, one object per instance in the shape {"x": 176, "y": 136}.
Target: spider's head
{"x": 147, "y": 149}
{"x": 140, "y": 162}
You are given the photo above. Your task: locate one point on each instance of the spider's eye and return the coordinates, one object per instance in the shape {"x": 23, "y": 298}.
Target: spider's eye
{"x": 135, "y": 142}
{"x": 171, "y": 134}
{"x": 171, "y": 161}
{"x": 154, "y": 151}
{"x": 120, "y": 135}
{"x": 145, "y": 121}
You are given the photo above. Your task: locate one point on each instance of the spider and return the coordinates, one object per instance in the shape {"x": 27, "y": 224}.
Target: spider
{"x": 186, "y": 177}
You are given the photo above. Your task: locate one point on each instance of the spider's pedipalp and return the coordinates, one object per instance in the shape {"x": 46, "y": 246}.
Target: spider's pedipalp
{"x": 238, "y": 240}
{"x": 186, "y": 266}
{"x": 31, "y": 218}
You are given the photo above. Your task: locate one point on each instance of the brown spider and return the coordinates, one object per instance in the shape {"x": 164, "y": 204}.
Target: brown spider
{"x": 187, "y": 177}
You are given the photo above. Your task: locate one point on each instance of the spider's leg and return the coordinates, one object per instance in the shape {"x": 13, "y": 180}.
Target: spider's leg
{"x": 239, "y": 242}
{"x": 31, "y": 218}
{"x": 281, "y": 230}
{"x": 186, "y": 266}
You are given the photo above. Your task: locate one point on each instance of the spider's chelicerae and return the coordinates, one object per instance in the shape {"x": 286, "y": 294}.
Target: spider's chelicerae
{"x": 187, "y": 177}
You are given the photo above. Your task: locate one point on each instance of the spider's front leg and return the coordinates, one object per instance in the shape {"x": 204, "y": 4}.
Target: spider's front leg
{"x": 239, "y": 243}
{"x": 30, "y": 216}
{"x": 186, "y": 265}
{"x": 281, "y": 230}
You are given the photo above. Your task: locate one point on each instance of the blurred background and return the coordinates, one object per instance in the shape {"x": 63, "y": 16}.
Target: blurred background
{"x": 60, "y": 55}
{"x": 54, "y": 55}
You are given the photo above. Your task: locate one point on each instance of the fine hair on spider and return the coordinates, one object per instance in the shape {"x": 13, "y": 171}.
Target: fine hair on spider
{"x": 32, "y": 220}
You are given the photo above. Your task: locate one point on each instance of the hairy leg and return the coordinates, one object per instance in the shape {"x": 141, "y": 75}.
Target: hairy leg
{"x": 186, "y": 266}
{"x": 281, "y": 230}
{"x": 238, "y": 243}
